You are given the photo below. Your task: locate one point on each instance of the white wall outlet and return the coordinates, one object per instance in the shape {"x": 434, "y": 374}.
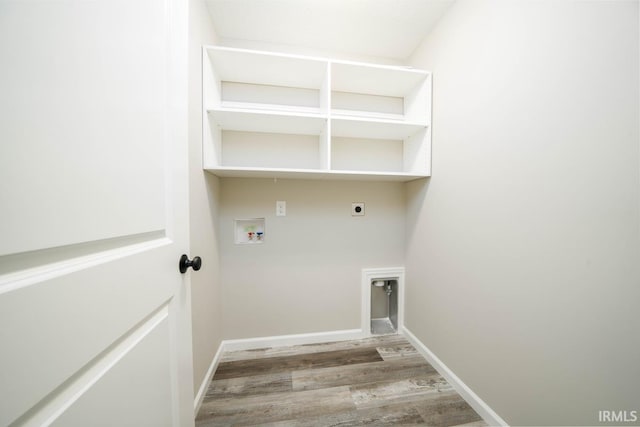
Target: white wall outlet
{"x": 357, "y": 209}
{"x": 281, "y": 208}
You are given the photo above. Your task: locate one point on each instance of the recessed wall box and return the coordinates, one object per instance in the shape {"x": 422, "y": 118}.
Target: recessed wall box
{"x": 249, "y": 231}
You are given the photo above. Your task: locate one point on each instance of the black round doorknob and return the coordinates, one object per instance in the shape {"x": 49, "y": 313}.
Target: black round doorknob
{"x": 185, "y": 263}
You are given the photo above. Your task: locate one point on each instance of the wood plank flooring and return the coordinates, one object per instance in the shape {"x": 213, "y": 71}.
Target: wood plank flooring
{"x": 378, "y": 381}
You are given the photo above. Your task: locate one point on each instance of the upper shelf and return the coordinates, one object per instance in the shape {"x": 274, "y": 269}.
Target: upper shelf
{"x": 268, "y": 121}
{"x": 265, "y": 68}
{"x": 375, "y": 79}
{"x": 350, "y": 127}
{"x": 278, "y": 69}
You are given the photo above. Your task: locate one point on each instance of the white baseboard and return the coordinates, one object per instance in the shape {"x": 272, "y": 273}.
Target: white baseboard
{"x": 207, "y": 379}
{"x": 285, "y": 340}
{"x": 487, "y": 414}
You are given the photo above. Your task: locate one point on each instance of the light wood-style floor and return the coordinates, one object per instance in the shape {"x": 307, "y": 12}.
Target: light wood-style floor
{"x": 377, "y": 381}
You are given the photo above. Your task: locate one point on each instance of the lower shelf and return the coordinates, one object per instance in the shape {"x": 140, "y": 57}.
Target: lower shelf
{"x": 242, "y": 172}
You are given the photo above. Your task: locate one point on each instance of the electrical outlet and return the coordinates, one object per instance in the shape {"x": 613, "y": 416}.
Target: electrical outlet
{"x": 357, "y": 209}
{"x": 281, "y": 208}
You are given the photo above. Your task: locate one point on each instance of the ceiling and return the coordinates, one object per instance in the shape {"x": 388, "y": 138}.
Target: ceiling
{"x": 379, "y": 28}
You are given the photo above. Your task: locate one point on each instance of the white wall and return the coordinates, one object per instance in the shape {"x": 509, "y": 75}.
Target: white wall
{"x": 204, "y": 199}
{"x": 523, "y": 247}
{"x": 320, "y": 290}
{"x": 306, "y": 276}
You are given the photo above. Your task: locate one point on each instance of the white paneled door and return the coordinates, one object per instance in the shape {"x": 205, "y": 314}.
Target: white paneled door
{"x": 94, "y": 314}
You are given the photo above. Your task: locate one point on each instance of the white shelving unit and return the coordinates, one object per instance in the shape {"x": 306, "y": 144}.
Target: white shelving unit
{"x": 274, "y": 115}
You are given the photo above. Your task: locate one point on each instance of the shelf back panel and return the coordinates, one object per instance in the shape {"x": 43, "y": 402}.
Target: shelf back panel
{"x": 367, "y": 155}
{"x": 270, "y": 97}
{"x": 270, "y": 150}
{"x": 359, "y": 103}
